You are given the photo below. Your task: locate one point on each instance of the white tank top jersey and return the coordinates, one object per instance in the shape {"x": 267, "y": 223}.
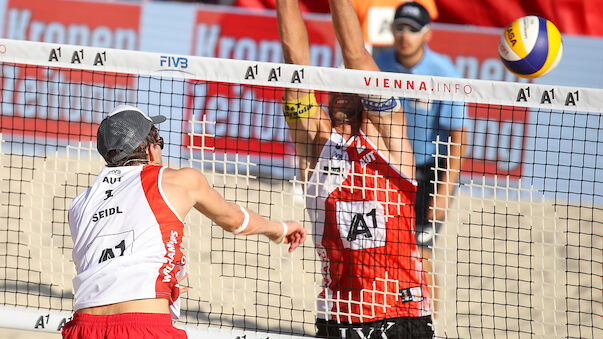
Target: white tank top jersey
{"x": 126, "y": 240}
{"x": 362, "y": 213}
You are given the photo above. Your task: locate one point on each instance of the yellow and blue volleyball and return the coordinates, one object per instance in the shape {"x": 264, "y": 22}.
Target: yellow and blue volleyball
{"x": 530, "y": 47}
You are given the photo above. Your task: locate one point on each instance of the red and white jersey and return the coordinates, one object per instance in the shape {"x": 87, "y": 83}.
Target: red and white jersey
{"x": 362, "y": 212}
{"x": 126, "y": 240}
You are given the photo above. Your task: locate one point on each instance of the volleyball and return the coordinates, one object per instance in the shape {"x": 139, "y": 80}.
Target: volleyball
{"x": 530, "y": 47}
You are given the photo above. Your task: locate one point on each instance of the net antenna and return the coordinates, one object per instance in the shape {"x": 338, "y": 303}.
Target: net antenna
{"x": 519, "y": 253}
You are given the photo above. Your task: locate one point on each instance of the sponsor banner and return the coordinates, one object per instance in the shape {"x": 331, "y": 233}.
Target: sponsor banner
{"x": 215, "y": 32}
{"x": 52, "y": 321}
{"x": 114, "y": 25}
{"x": 260, "y": 83}
{"x": 240, "y": 123}
{"x": 218, "y": 33}
{"x": 495, "y": 140}
{"x": 56, "y": 103}
{"x": 60, "y": 104}
{"x": 433, "y": 88}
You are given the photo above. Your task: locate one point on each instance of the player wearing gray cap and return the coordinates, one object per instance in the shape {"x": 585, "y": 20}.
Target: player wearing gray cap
{"x": 127, "y": 230}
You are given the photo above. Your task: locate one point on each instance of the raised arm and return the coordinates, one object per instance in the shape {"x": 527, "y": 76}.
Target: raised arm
{"x": 391, "y": 128}
{"x": 292, "y": 32}
{"x": 294, "y": 40}
{"x": 350, "y": 38}
{"x": 187, "y": 187}
{"x": 384, "y": 113}
{"x": 305, "y": 118}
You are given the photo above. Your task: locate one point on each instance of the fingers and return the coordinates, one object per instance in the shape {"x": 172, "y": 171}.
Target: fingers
{"x": 296, "y": 240}
{"x": 296, "y": 236}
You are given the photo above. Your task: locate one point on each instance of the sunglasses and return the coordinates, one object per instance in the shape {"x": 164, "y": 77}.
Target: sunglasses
{"x": 399, "y": 29}
{"x": 159, "y": 142}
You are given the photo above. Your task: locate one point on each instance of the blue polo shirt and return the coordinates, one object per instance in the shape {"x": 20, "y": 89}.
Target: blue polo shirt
{"x": 426, "y": 120}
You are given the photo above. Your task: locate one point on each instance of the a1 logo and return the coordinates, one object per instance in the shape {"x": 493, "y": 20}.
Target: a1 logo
{"x": 361, "y": 224}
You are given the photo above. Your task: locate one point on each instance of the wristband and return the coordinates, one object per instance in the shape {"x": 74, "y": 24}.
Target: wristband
{"x": 244, "y": 224}
{"x": 300, "y": 109}
{"x": 378, "y": 105}
{"x": 281, "y": 240}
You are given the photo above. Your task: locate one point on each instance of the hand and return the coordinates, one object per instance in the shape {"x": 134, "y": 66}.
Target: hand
{"x": 296, "y": 235}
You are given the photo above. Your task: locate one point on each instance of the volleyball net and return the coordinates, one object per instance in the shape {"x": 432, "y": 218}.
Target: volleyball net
{"x": 518, "y": 255}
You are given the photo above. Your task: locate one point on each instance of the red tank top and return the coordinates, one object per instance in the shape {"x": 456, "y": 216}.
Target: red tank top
{"x": 363, "y": 217}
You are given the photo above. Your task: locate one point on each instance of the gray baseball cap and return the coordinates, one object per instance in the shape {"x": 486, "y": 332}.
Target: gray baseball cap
{"x": 125, "y": 129}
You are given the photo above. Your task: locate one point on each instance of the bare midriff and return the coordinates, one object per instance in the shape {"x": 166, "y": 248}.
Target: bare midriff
{"x": 131, "y": 306}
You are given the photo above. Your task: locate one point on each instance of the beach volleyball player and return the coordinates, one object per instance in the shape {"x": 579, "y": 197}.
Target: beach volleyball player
{"x": 127, "y": 230}
{"x": 358, "y": 168}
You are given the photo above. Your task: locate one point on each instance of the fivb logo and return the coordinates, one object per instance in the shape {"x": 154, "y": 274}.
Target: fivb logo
{"x": 172, "y": 63}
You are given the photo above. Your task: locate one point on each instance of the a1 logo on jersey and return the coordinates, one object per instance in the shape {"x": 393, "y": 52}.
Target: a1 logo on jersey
{"x": 361, "y": 224}
{"x": 108, "y": 246}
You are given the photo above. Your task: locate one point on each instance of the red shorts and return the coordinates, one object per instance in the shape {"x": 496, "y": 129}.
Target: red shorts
{"x": 123, "y": 325}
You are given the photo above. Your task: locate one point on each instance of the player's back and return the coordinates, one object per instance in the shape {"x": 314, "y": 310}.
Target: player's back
{"x": 126, "y": 239}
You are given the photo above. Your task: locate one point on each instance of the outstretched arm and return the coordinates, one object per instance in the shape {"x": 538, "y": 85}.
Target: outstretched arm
{"x": 187, "y": 187}
{"x": 384, "y": 113}
{"x": 294, "y": 40}
{"x": 292, "y": 32}
{"x": 305, "y": 118}
{"x": 349, "y": 35}
{"x": 391, "y": 127}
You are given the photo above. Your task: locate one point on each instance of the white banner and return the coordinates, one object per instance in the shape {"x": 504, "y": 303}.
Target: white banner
{"x": 304, "y": 77}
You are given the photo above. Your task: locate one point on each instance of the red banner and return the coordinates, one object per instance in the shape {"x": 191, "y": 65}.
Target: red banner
{"x": 231, "y": 119}
{"x": 496, "y": 140}
{"x": 248, "y": 119}
{"x": 74, "y": 22}
{"x": 255, "y": 37}
{"x": 58, "y": 103}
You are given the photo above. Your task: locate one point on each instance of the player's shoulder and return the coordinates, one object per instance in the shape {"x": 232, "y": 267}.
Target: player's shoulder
{"x": 185, "y": 172}
{"x": 81, "y": 197}
{"x": 186, "y": 177}
{"x": 79, "y": 201}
